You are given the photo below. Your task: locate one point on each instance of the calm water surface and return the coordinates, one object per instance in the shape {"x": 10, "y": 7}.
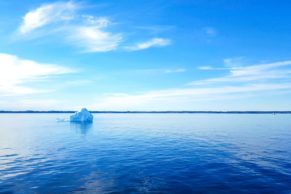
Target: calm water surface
{"x": 146, "y": 153}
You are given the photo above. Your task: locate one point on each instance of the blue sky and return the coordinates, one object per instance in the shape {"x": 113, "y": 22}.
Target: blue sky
{"x": 145, "y": 55}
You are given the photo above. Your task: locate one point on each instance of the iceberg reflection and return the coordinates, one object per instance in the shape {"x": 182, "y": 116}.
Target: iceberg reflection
{"x": 82, "y": 128}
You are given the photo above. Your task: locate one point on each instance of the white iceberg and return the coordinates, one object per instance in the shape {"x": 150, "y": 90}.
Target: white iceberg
{"x": 83, "y": 116}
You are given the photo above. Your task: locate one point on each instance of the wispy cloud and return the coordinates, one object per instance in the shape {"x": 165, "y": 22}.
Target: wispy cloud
{"x": 23, "y": 103}
{"x": 16, "y": 72}
{"x": 148, "y": 72}
{"x": 237, "y": 73}
{"x": 183, "y": 98}
{"x": 235, "y": 61}
{"x": 88, "y": 32}
{"x": 155, "y": 42}
{"x": 210, "y": 68}
{"x": 93, "y": 38}
{"x": 178, "y": 70}
{"x": 156, "y": 29}
{"x": 239, "y": 82}
{"x": 47, "y": 14}
{"x": 84, "y": 31}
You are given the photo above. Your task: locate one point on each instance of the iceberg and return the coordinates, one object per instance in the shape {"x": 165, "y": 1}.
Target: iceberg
{"x": 83, "y": 116}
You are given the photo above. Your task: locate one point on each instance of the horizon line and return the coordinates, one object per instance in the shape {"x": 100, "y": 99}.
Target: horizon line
{"x": 168, "y": 112}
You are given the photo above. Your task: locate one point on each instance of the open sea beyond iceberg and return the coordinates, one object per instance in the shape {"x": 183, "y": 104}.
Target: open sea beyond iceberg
{"x": 146, "y": 153}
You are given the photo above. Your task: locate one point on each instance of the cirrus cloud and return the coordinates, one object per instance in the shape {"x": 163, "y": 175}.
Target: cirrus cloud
{"x": 237, "y": 73}
{"x": 84, "y": 31}
{"x": 154, "y": 42}
{"x": 259, "y": 80}
{"x": 47, "y": 14}
{"x": 88, "y": 32}
{"x": 92, "y": 37}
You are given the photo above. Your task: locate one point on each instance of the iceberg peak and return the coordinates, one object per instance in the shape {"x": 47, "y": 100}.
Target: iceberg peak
{"x": 83, "y": 116}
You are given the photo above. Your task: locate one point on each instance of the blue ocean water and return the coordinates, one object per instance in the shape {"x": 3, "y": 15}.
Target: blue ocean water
{"x": 146, "y": 153}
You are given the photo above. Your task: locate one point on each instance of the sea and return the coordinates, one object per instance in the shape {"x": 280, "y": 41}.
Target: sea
{"x": 146, "y": 153}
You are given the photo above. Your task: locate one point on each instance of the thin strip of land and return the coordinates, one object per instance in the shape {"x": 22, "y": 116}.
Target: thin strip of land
{"x": 156, "y": 112}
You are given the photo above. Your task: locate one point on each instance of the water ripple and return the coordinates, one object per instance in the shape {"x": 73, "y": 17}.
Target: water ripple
{"x": 146, "y": 154}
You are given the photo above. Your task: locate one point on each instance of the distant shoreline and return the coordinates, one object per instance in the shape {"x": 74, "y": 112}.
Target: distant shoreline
{"x": 157, "y": 112}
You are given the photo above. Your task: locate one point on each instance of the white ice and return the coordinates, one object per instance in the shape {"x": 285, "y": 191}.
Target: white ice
{"x": 83, "y": 116}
